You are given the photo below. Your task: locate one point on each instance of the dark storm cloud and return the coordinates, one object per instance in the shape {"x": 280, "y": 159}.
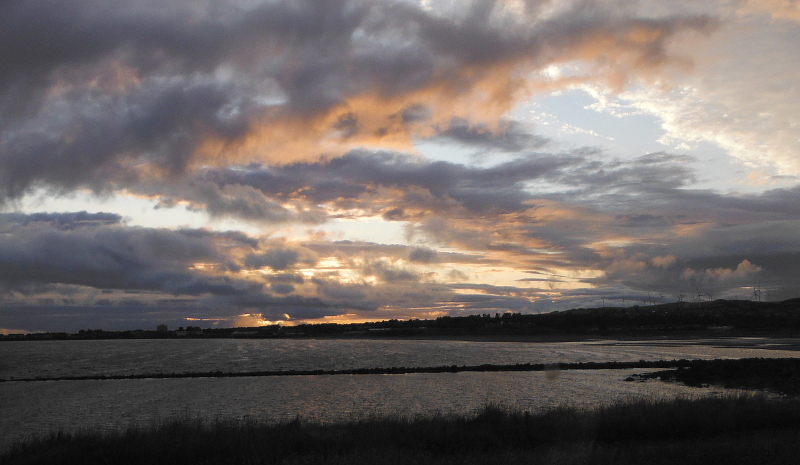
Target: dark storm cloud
{"x": 764, "y": 237}
{"x": 104, "y": 257}
{"x": 255, "y": 193}
{"x": 415, "y": 254}
{"x": 128, "y": 96}
{"x": 477, "y": 36}
{"x": 280, "y": 259}
{"x": 422, "y": 255}
{"x": 459, "y": 204}
{"x": 511, "y": 137}
{"x": 123, "y": 273}
{"x": 281, "y": 288}
{"x": 65, "y": 220}
{"x": 653, "y": 173}
{"x": 494, "y": 291}
{"x": 284, "y": 283}
{"x": 42, "y": 37}
{"x": 359, "y": 180}
{"x": 239, "y": 201}
{"x": 119, "y": 269}
{"x": 361, "y": 173}
{"x": 286, "y": 278}
{"x": 162, "y": 119}
{"x": 648, "y": 195}
{"x": 104, "y": 97}
{"x": 610, "y": 199}
{"x": 771, "y": 205}
{"x": 341, "y": 292}
{"x": 644, "y": 220}
{"x": 101, "y": 146}
{"x": 388, "y": 272}
{"x": 720, "y": 260}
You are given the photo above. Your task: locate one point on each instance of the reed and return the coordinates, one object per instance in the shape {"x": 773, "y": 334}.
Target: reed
{"x": 739, "y": 429}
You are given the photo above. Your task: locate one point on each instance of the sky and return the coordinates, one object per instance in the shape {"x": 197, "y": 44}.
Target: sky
{"x": 223, "y": 163}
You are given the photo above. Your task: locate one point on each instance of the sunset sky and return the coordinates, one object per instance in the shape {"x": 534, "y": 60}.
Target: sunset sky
{"x": 244, "y": 162}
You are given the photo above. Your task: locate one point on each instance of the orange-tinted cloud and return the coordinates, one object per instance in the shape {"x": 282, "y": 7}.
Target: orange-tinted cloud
{"x": 778, "y": 9}
{"x": 159, "y": 97}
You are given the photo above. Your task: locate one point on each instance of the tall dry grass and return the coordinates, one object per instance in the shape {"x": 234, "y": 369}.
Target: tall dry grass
{"x": 741, "y": 429}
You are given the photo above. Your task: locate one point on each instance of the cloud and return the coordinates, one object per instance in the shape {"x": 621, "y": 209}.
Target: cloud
{"x": 378, "y": 176}
{"x": 295, "y": 118}
{"x": 743, "y": 269}
{"x": 494, "y": 211}
{"x": 61, "y": 220}
{"x": 741, "y": 92}
{"x": 507, "y": 137}
{"x": 114, "y": 257}
{"x": 422, "y": 255}
{"x": 388, "y": 272}
{"x": 151, "y": 96}
{"x": 280, "y": 258}
{"x": 663, "y": 262}
{"x": 778, "y": 9}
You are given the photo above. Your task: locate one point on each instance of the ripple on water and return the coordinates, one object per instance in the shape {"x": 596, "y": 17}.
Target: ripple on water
{"x": 41, "y": 407}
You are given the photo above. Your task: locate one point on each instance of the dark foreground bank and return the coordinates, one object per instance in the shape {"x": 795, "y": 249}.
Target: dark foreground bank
{"x": 778, "y": 375}
{"x": 733, "y": 430}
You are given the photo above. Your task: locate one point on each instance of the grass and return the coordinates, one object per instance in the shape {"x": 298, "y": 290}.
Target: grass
{"x": 731, "y": 430}
{"x": 779, "y": 375}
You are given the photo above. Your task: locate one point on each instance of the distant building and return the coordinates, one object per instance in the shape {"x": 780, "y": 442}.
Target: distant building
{"x": 162, "y": 328}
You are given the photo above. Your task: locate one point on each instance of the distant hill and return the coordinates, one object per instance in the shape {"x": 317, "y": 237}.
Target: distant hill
{"x": 715, "y": 316}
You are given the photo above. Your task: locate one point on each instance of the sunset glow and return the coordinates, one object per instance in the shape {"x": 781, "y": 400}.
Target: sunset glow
{"x": 238, "y": 163}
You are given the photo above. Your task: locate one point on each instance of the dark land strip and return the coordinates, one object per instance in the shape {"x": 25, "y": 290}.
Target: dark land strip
{"x": 732, "y": 318}
{"x": 379, "y": 370}
{"x": 780, "y": 375}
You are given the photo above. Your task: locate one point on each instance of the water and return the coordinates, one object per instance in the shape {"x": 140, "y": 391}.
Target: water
{"x": 28, "y": 408}
{"x": 121, "y": 357}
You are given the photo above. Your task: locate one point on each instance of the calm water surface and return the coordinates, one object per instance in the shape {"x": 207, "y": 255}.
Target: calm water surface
{"x": 28, "y": 408}
{"x": 111, "y": 357}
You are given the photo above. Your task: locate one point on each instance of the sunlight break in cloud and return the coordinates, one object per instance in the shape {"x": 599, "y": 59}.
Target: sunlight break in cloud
{"x": 275, "y": 82}
{"x": 292, "y": 133}
{"x": 740, "y": 95}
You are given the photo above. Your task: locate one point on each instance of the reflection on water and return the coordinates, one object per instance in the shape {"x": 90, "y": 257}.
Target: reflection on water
{"x": 52, "y": 405}
{"x": 39, "y": 407}
{"x": 113, "y": 357}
